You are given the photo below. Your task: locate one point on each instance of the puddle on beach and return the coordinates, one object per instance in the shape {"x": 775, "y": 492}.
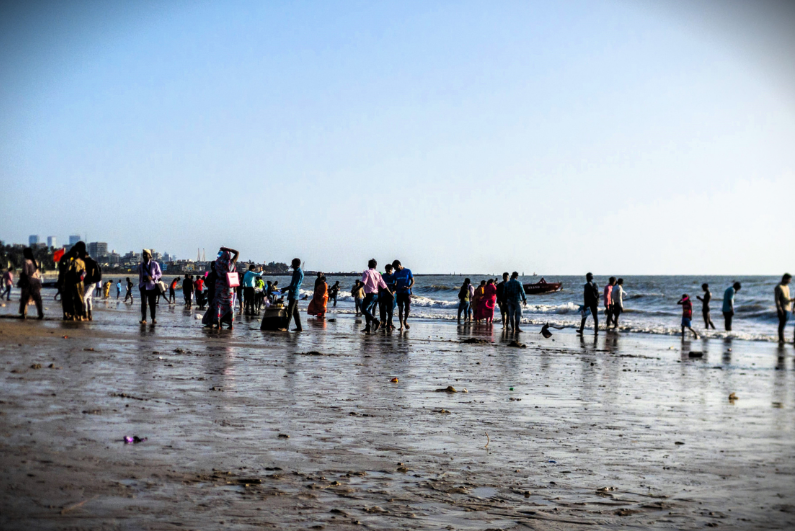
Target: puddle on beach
{"x": 609, "y": 412}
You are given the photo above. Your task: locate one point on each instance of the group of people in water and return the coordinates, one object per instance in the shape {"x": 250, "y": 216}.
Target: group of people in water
{"x": 376, "y": 295}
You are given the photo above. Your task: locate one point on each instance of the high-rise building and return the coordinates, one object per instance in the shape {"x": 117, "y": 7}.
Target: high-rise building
{"x": 51, "y": 241}
{"x": 97, "y": 249}
{"x": 33, "y": 239}
{"x": 73, "y": 239}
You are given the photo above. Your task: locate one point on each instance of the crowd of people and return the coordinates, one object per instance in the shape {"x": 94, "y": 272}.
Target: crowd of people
{"x": 375, "y": 295}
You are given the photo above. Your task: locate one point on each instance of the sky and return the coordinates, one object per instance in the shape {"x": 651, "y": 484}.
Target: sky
{"x": 619, "y": 137}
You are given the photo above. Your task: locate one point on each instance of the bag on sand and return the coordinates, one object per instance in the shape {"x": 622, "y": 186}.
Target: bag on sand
{"x": 161, "y": 286}
{"x": 233, "y": 279}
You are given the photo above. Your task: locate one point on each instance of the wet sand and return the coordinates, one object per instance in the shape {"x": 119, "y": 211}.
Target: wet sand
{"x": 250, "y": 429}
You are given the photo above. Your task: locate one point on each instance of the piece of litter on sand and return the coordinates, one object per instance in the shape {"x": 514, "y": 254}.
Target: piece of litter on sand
{"x": 394, "y": 380}
{"x": 476, "y": 341}
{"x": 679, "y": 443}
{"x": 695, "y": 354}
{"x": 732, "y": 396}
{"x": 517, "y": 344}
{"x": 134, "y": 439}
{"x": 448, "y": 389}
{"x": 283, "y": 436}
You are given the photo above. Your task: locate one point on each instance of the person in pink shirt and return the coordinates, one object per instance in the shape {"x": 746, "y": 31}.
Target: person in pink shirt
{"x": 372, "y": 282}
{"x": 608, "y": 300}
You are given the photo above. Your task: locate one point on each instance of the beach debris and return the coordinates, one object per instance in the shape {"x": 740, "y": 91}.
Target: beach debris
{"x": 448, "y": 389}
{"x": 625, "y": 512}
{"x": 77, "y": 505}
{"x": 134, "y": 439}
{"x": 488, "y": 440}
{"x": 65, "y": 337}
{"x": 89, "y": 349}
{"x": 517, "y": 344}
{"x": 178, "y": 351}
{"x": 374, "y": 509}
{"x": 512, "y": 399}
{"x": 678, "y": 443}
{"x": 778, "y": 405}
{"x": 311, "y": 353}
{"x": 217, "y": 388}
{"x": 695, "y": 354}
{"x": 732, "y": 397}
{"x": 527, "y": 494}
{"x": 545, "y": 331}
{"x": 510, "y": 388}
{"x": 331, "y": 320}
{"x": 283, "y": 436}
{"x": 36, "y": 366}
{"x": 125, "y": 395}
{"x": 605, "y": 489}
{"x": 394, "y": 380}
{"x": 476, "y": 341}
{"x": 402, "y": 469}
{"x": 339, "y": 511}
{"x": 464, "y": 390}
{"x": 552, "y": 461}
{"x": 444, "y": 411}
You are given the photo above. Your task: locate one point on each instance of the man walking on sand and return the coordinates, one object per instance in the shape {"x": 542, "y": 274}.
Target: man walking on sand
{"x": 501, "y": 302}
{"x": 783, "y": 304}
{"x": 404, "y": 280}
{"x": 293, "y": 293}
{"x": 515, "y": 299}
{"x": 608, "y": 301}
{"x": 590, "y": 301}
{"x": 372, "y": 283}
{"x": 728, "y": 304}
{"x": 705, "y": 306}
{"x": 8, "y": 282}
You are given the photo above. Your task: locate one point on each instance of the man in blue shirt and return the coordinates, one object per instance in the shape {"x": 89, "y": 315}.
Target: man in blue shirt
{"x": 404, "y": 280}
{"x": 728, "y": 304}
{"x": 293, "y": 293}
{"x": 514, "y": 293}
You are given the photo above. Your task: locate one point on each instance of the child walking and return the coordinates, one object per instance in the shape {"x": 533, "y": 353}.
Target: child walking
{"x": 687, "y": 315}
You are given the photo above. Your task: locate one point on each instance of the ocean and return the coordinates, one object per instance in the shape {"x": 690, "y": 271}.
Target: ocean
{"x": 650, "y": 302}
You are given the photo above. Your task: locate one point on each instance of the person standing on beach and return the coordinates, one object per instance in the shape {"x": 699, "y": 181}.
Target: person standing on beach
{"x": 783, "y": 304}
{"x": 357, "y": 292}
{"x": 728, "y": 304}
{"x": 248, "y": 289}
{"x": 93, "y": 275}
{"x": 617, "y": 298}
{"x": 386, "y": 298}
{"x": 172, "y": 291}
{"x": 470, "y": 309}
{"x": 187, "y": 290}
{"x": 404, "y": 281}
{"x": 30, "y": 284}
{"x": 463, "y": 301}
{"x": 8, "y": 282}
{"x": 608, "y": 301}
{"x": 687, "y": 315}
{"x": 705, "y": 306}
{"x": 372, "y": 283}
{"x": 129, "y": 293}
{"x": 293, "y": 293}
{"x": 501, "y": 299}
{"x": 118, "y": 288}
{"x": 319, "y": 303}
{"x": 71, "y": 272}
{"x": 148, "y": 275}
{"x": 334, "y": 292}
{"x": 590, "y": 301}
{"x": 514, "y": 293}
{"x": 106, "y": 290}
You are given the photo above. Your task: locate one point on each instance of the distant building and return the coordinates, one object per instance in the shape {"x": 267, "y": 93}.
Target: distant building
{"x": 113, "y": 258}
{"x": 52, "y": 242}
{"x": 73, "y": 239}
{"x": 97, "y": 249}
{"x": 33, "y": 239}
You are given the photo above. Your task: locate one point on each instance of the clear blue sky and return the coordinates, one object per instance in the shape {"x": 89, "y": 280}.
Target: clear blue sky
{"x": 557, "y": 137}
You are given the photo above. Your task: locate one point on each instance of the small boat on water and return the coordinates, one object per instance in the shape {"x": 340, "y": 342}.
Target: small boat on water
{"x": 542, "y": 286}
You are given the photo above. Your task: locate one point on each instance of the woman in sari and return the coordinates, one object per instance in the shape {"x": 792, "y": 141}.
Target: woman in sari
{"x": 476, "y": 300}
{"x": 317, "y": 306}
{"x": 71, "y": 272}
{"x": 487, "y": 302}
{"x": 222, "y": 307}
